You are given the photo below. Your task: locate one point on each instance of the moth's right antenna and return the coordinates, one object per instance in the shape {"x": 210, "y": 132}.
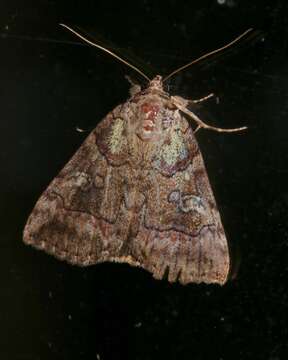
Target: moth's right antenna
{"x": 207, "y": 55}
{"x": 106, "y": 50}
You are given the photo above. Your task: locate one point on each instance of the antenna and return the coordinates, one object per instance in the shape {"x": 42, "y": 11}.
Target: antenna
{"x": 106, "y": 50}
{"x": 207, "y": 55}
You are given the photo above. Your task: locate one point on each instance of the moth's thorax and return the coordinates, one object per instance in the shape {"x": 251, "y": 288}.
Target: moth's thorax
{"x": 154, "y": 112}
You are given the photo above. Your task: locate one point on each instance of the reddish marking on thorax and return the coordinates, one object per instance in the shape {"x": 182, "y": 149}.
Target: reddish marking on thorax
{"x": 150, "y": 110}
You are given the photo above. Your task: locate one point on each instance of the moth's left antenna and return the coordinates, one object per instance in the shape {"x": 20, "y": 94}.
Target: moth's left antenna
{"x": 106, "y": 50}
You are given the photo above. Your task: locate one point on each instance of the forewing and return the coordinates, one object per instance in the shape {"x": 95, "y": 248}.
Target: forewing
{"x": 79, "y": 217}
{"x": 182, "y": 236}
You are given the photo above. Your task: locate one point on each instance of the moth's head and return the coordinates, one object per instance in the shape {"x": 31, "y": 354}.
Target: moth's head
{"x": 156, "y": 83}
{"x": 154, "y": 86}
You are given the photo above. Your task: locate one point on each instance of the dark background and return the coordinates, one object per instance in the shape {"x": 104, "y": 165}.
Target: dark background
{"x": 50, "y": 83}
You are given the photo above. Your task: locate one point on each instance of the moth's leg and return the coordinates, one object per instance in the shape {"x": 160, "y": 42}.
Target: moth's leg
{"x": 186, "y": 102}
{"x": 203, "y": 125}
{"x": 197, "y": 128}
{"x": 135, "y": 88}
{"x": 181, "y": 105}
{"x": 196, "y": 101}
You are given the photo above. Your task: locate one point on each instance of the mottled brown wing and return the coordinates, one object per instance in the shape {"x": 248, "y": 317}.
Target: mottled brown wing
{"x": 186, "y": 243}
{"x": 80, "y": 216}
{"x": 181, "y": 235}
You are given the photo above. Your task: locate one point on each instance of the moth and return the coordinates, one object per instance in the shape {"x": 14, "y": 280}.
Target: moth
{"x": 137, "y": 192}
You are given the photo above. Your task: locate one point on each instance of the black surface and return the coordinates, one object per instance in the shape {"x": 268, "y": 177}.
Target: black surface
{"x": 49, "y": 86}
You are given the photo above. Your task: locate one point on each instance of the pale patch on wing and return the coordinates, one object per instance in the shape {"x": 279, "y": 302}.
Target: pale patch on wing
{"x": 175, "y": 149}
{"x": 116, "y": 139}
